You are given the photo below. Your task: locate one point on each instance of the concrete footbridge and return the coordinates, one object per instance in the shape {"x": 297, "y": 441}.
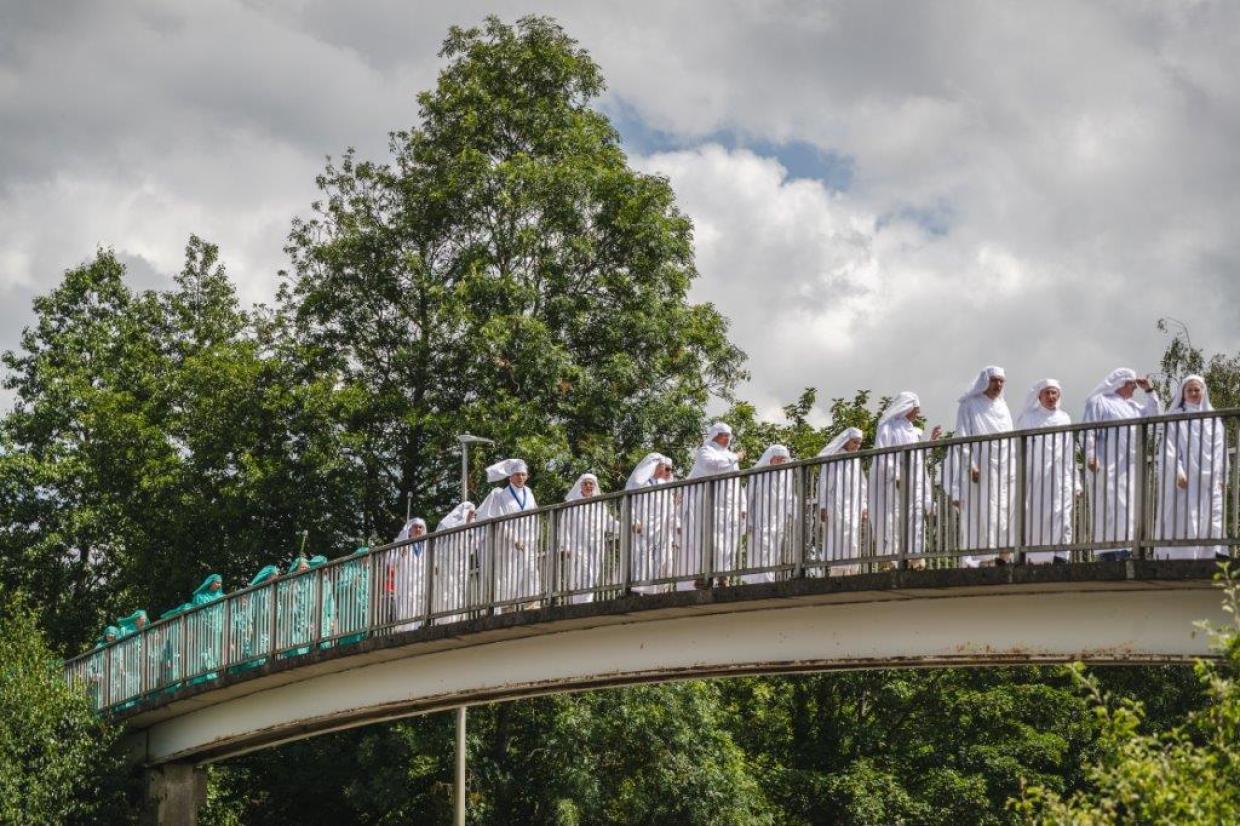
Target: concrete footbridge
{"x": 1094, "y": 543}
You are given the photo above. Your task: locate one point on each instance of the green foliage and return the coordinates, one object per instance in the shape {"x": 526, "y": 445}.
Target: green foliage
{"x": 506, "y": 273}
{"x": 1181, "y": 358}
{"x": 152, "y": 442}
{"x": 754, "y": 435}
{"x": 1188, "y": 774}
{"x": 881, "y": 747}
{"x": 58, "y": 759}
{"x": 639, "y": 755}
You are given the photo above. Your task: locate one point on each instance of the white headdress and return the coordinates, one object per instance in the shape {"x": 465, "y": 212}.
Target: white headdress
{"x": 458, "y": 516}
{"x": 1177, "y": 401}
{"x": 575, "y": 493}
{"x": 645, "y": 469}
{"x": 1116, "y": 379}
{"x": 715, "y": 430}
{"x": 771, "y": 452}
{"x": 836, "y": 445}
{"x": 407, "y": 530}
{"x": 983, "y": 381}
{"x": 1033, "y": 401}
{"x": 501, "y": 470}
{"x": 900, "y": 406}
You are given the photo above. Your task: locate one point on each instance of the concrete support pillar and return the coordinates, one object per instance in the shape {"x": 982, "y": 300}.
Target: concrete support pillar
{"x": 174, "y": 794}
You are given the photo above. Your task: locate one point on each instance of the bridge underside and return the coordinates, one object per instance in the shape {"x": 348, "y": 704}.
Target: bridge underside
{"x": 1128, "y": 612}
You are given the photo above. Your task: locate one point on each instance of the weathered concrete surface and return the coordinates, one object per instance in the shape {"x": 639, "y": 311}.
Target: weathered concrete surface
{"x": 175, "y": 792}
{"x": 1126, "y": 612}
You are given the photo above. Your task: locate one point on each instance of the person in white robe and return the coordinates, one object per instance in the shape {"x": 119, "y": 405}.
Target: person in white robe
{"x": 711, "y": 459}
{"x": 1052, "y": 481}
{"x": 655, "y": 517}
{"x": 1192, "y": 474}
{"x": 981, "y": 476}
{"x": 455, "y": 562}
{"x": 515, "y": 566}
{"x": 404, "y": 576}
{"x": 583, "y": 533}
{"x": 896, "y": 428}
{"x": 773, "y": 512}
{"x": 842, "y": 498}
{"x": 1111, "y": 456}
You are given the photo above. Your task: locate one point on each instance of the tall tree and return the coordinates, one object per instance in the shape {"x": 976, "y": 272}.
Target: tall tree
{"x": 59, "y": 761}
{"x": 506, "y": 273}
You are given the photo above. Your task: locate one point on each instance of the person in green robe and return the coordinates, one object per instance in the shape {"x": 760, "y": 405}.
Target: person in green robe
{"x": 128, "y": 653}
{"x": 167, "y": 638}
{"x": 251, "y": 618}
{"x": 327, "y": 611}
{"x": 351, "y": 598}
{"x": 97, "y": 667}
{"x": 295, "y": 604}
{"x": 205, "y": 630}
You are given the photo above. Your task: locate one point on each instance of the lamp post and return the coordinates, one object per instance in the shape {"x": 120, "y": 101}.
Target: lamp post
{"x": 466, "y": 439}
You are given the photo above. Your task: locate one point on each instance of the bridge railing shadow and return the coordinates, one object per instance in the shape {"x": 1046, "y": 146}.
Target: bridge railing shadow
{"x": 1161, "y": 487}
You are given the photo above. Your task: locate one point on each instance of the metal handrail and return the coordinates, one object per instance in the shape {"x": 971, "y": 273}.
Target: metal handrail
{"x": 702, "y": 539}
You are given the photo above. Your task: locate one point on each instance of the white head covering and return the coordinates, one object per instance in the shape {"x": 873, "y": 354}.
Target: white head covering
{"x": 1116, "y": 379}
{"x": 1177, "y": 401}
{"x": 983, "y": 381}
{"x": 715, "y": 430}
{"x": 575, "y": 493}
{"x": 771, "y": 452}
{"x": 836, "y": 445}
{"x": 900, "y": 406}
{"x": 457, "y": 516}
{"x": 1032, "y": 402}
{"x": 501, "y": 470}
{"x": 407, "y": 531}
{"x": 645, "y": 469}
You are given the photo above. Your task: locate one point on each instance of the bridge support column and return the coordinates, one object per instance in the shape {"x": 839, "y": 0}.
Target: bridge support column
{"x": 174, "y": 794}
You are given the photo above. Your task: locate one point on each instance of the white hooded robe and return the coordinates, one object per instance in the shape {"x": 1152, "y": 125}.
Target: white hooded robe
{"x": 728, "y": 513}
{"x": 515, "y": 566}
{"x": 1052, "y": 481}
{"x": 1113, "y": 519}
{"x": 773, "y": 512}
{"x": 1193, "y": 452}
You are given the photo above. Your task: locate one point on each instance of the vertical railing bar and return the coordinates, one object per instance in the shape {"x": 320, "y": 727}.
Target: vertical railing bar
{"x": 708, "y": 533}
{"x": 626, "y": 543}
{"x": 553, "y": 565}
{"x": 1018, "y": 502}
{"x": 906, "y": 516}
{"x": 1143, "y": 510}
{"x": 316, "y": 616}
{"x": 800, "y": 488}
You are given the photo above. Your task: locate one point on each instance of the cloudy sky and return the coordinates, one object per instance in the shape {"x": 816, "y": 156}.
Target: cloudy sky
{"x": 886, "y": 195}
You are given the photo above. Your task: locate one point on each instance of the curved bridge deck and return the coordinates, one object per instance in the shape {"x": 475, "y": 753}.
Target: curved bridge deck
{"x": 1136, "y": 611}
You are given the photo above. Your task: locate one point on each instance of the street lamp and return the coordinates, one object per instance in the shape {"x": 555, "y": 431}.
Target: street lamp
{"x": 466, "y": 439}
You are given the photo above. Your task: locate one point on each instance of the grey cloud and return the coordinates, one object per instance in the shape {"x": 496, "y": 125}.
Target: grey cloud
{"x": 1029, "y": 184}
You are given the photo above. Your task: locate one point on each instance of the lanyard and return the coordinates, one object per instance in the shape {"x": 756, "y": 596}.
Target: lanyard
{"x": 525, "y": 495}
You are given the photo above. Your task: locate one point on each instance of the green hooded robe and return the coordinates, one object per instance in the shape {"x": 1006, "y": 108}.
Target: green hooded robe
{"x": 250, "y": 635}
{"x": 205, "y": 630}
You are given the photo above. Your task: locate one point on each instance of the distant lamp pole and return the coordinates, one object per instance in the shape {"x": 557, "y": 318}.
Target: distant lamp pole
{"x": 466, "y": 439}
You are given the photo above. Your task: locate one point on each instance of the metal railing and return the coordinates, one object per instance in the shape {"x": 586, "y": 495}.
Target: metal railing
{"x": 1157, "y": 487}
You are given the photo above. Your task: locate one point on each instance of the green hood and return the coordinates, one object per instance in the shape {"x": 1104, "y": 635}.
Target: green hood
{"x": 111, "y": 631}
{"x": 129, "y": 625}
{"x": 203, "y": 593}
{"x": 296, "y": 565}
{"x": 317, "y": 560}
{"x": 268, "y": 572}
{"x": 362, "y": 550}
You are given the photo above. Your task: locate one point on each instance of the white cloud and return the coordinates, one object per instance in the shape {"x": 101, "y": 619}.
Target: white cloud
{"x": 1076, "y": 161}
